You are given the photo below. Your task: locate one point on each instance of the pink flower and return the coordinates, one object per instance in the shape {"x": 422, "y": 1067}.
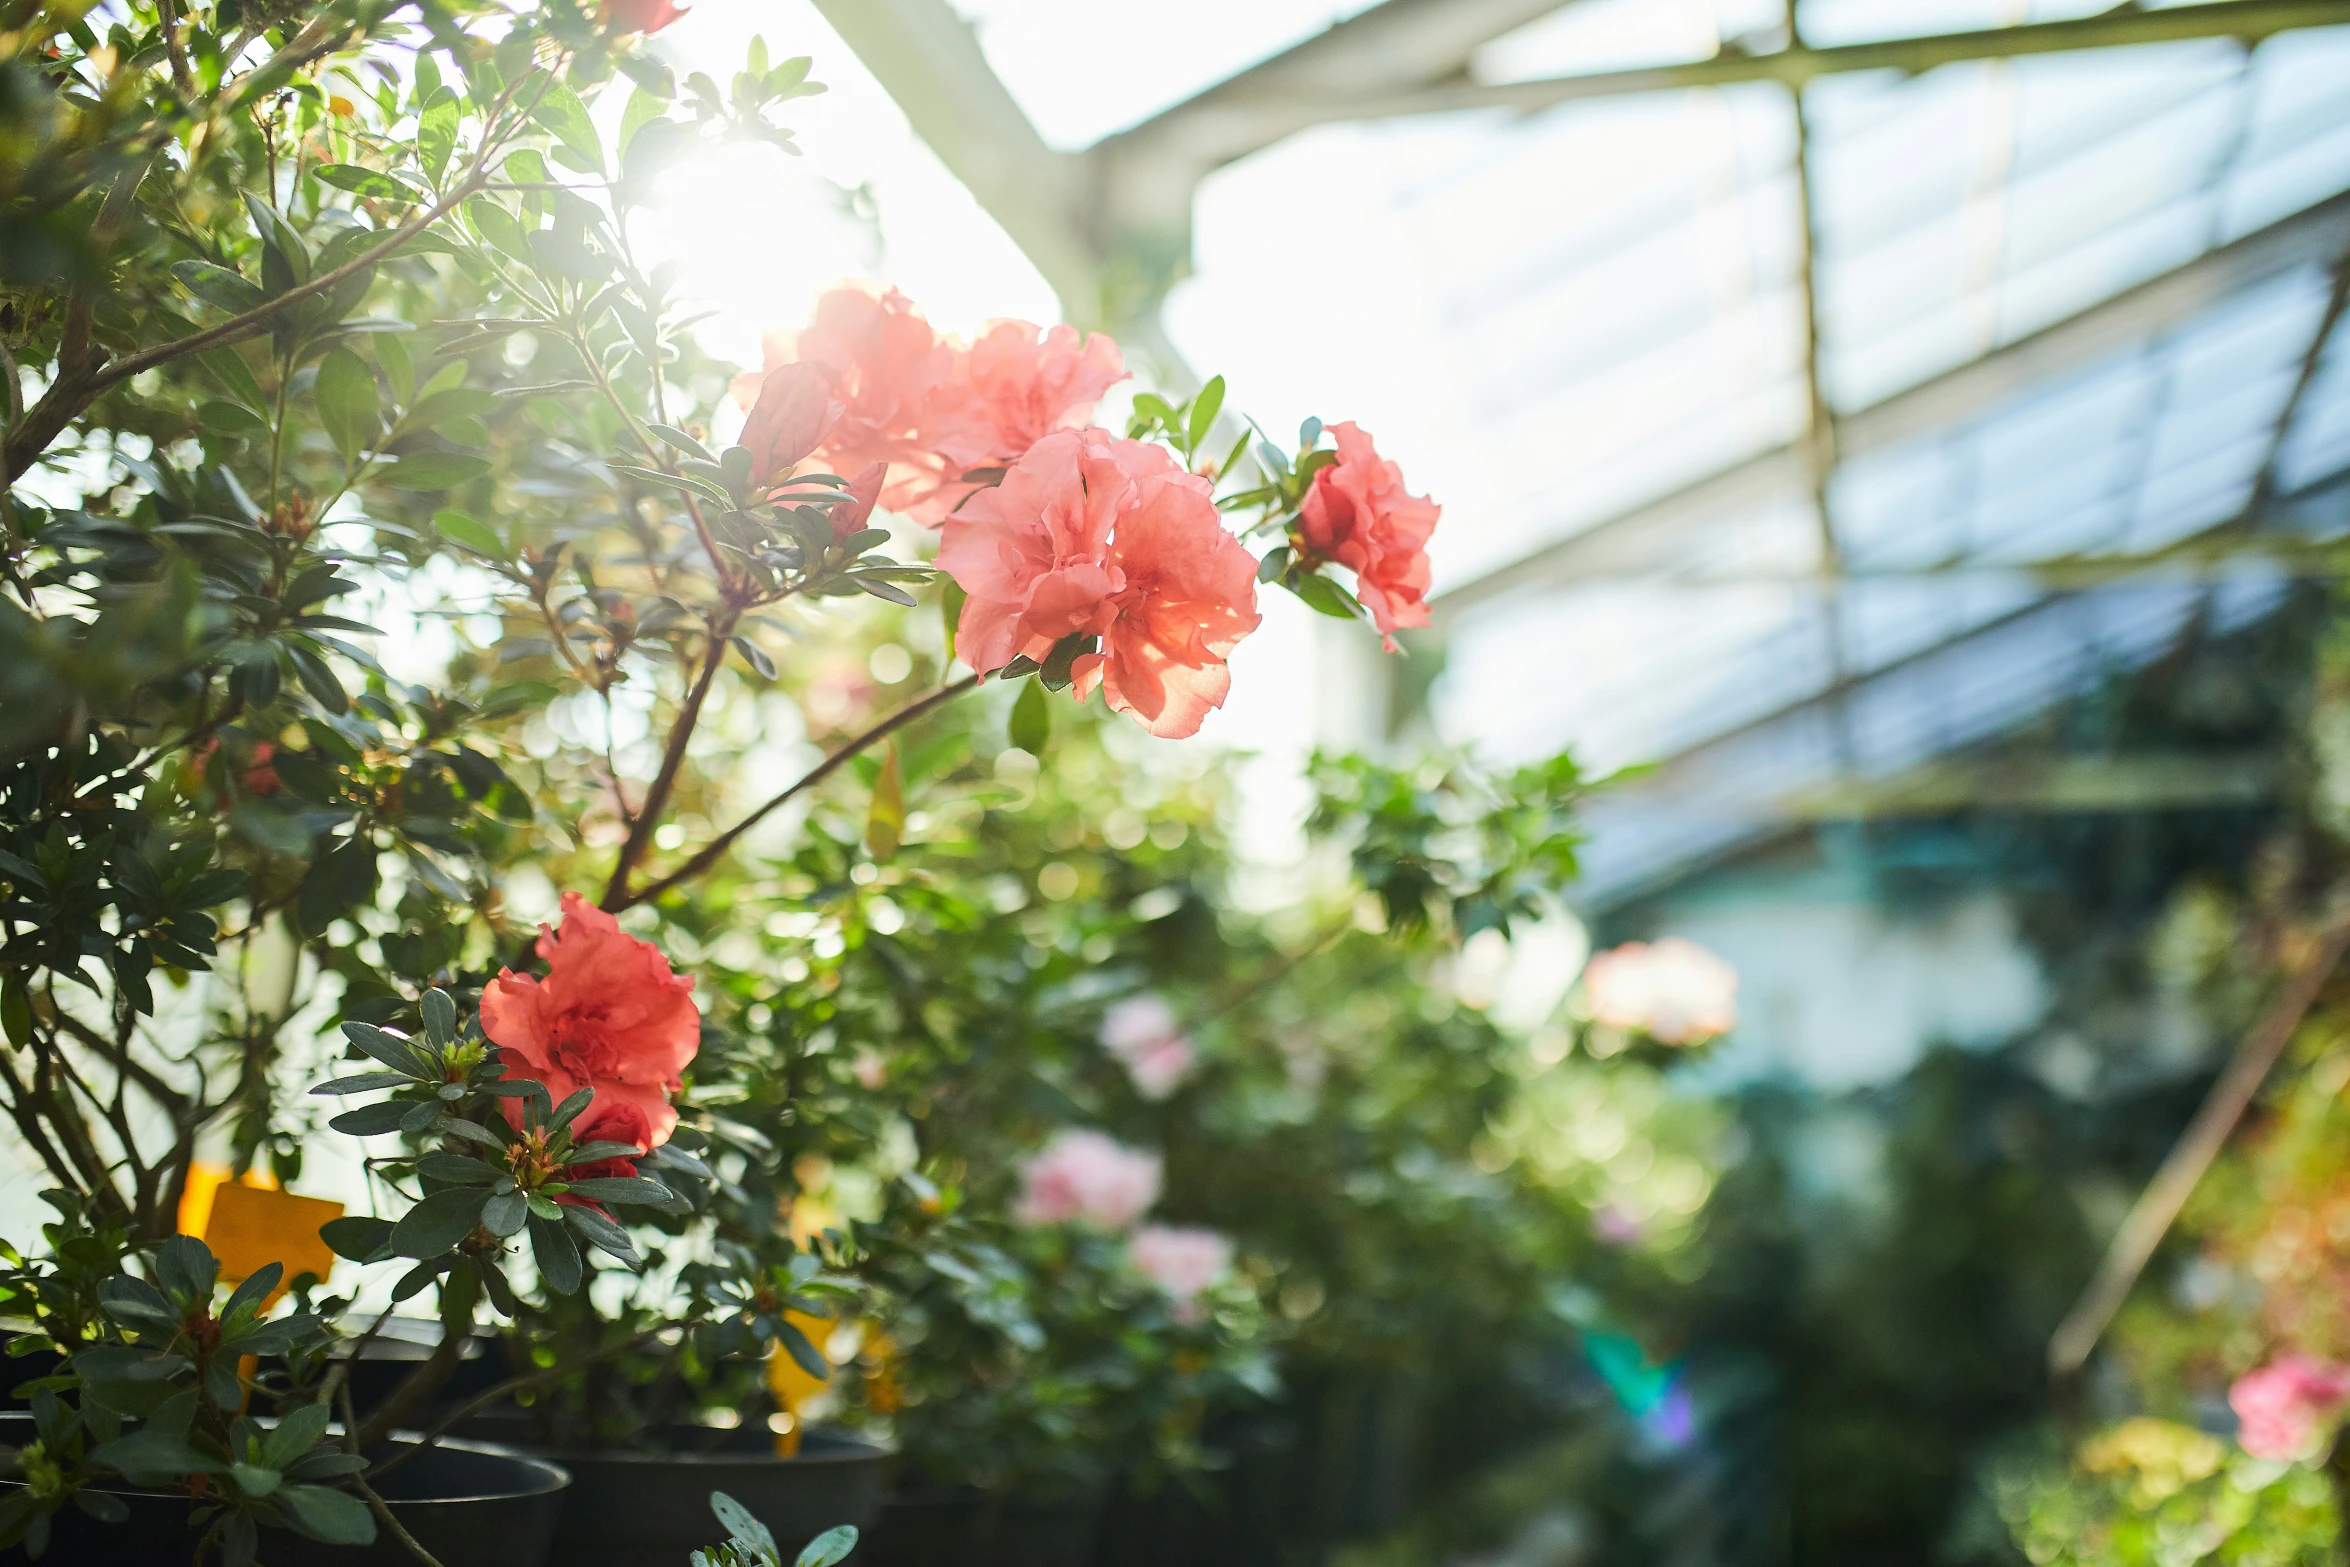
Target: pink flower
{"x": 887, "y": 366}
{"x": 1614, "y": 1227}
{"x": 864, "y": 492}
{"x": 1011, "y": 389}
{"x": 1086, "y": 1176}
{"x": 1141, "y": 1032}
{"x": 1359, "y": 515}
{"x": 610, "y": 1015}
{"x": 795, "y": 412}
{"x": 1093, "y": 536}
{"x": 1674, "y": 990}
{"x": 2282, "y": 1408}
{"x": 1180, "y": 1261}
{"x": 871, "y": 1068}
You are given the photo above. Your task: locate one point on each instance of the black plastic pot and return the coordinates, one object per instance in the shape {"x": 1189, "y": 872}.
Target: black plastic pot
{"x": 931, "y": 1527}
{"x": 652, "y": 1508}
{"x": 470, "y": 1504}
{"x": 1057, "y": 1530}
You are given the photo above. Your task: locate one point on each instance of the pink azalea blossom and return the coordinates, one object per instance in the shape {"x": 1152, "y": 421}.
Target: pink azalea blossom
{"x": 1672, "y": 990}
{"x": 1091, "y": 535}
{"x": 1141, "y": 1032}
{"x": 1359, "y": 515}
{"x": 1084, "y": 1176}
{"x": 1013, "y": 387}
{"x": 1179, "y": 1260}
{"x": 2285, "y": 1407}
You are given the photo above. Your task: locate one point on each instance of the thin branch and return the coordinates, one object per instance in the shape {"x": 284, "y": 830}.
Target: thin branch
{"x": 2150, "y": 1217}
{"x": 681, "y": 732}
{"x": 391, "y": 1521}
{"x": 717, "y": 847}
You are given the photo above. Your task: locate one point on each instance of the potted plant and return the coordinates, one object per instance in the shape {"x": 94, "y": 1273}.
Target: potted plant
{"x": 321, "y": 312}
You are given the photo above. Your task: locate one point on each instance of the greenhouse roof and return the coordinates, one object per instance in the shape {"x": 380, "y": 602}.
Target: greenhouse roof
{"x": 1806, "y": 403}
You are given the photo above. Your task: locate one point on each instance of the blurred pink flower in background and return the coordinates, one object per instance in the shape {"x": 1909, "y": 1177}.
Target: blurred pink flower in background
{"x": 1141, "y": 1032}
{"x": 1087, "y": 1176}
{"x": 1178, "y": 1260}
{"x": 871, "y": 1068}
{"x": 1614, "y": 1227}
{"x": 2283, "y": 1408}
{"x": 1672, "y": 990}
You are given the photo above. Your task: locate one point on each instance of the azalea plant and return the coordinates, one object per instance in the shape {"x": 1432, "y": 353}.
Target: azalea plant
{"x": 318, "y": 328}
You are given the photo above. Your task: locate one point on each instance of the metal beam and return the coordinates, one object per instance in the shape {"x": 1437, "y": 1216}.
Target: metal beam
{"x": 1656, "y": 536}
{"x": 2247, "y": 21}
{"x": 2042, "y": 784}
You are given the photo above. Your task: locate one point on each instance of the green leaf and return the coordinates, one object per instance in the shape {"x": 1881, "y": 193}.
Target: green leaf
{"x": 253, "y": 1480}
{"x": 219, "y": 287}
{"x": 440, "y": 1016}
{"x": 795, "y": 1344}
{"x": 373, "y": 1120}
{"x": 347, "y": 402}
{"x": 622, "y": 1189}
{"x": 439, "y": 1222}
{"x": 682, "y": 441}
{"x": 391, "y": 352}
{"x": 230, "y": 370}
{"x": 643, "y": 108}
{"x": 557, "y": 1254}
{"x": 1204, "y": 409}
{"x": 739, "y": 1523}
{"x": 833, "y": 1545}
{"x": 435, "y": 470}
{"x": 363, "y": 1083}
{"x": 466, "y": 533}
{"x": 371, "y": 183}
{"x": 603, "y": 1234}
{"x": 436, "y": 133}
{"x": 755, "y": 656}
{"x": 323, "y": 1514}
{"x": 457, "y": 1169}
{"x": 1326, "y": 597}
{"x": 318, "y": 678}
{"x": 230, "y": 418}
{"x": 1276, "y": 562}
{"x": 390, "y": 1049}
{"x": 358, "y": 1238}
{"x": 1032, "y": 720}
{"x": 504, "y": 1213}
{"x": 561, "y": 112}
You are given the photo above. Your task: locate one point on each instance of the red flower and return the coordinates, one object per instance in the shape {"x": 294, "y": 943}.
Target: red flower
{"x": 795, "y": 412}
{"x": 1109, "y": 538}
{"x": 639, "y": 16}
{"x": 610, "y": 1015}
{"x": 1358, "y": 515}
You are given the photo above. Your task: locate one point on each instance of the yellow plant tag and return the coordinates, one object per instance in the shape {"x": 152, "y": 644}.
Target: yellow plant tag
{"x": 250, "y": 1227}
